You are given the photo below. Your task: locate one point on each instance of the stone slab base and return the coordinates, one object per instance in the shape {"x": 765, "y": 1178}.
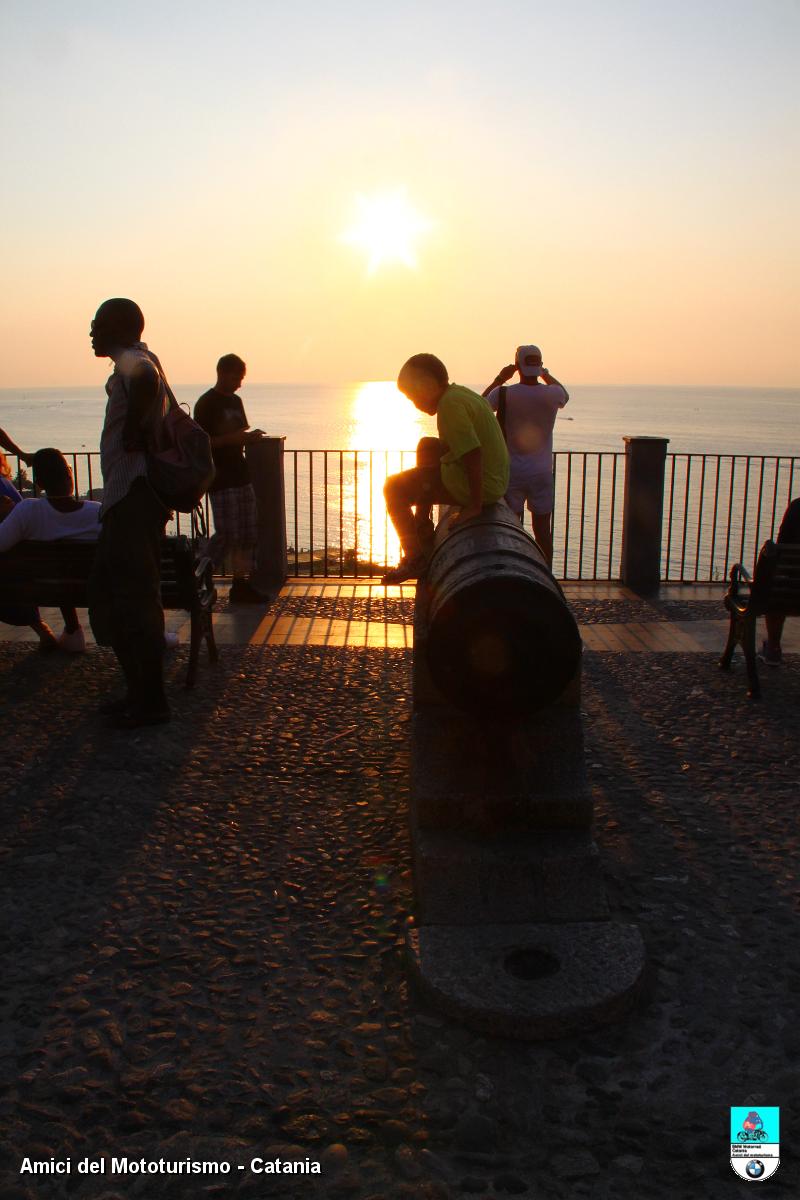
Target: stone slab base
{"x": 531, "y": 981}
{"x": 467, "y": 879}
{"x": 470, "y": 774}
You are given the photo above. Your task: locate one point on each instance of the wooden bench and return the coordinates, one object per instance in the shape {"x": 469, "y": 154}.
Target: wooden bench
{"x": 774, "y": 588}
{"x": 55, "y": 574}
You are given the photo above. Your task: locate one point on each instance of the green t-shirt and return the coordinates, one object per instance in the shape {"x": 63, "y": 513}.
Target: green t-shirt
{"x": 465, "y": 420}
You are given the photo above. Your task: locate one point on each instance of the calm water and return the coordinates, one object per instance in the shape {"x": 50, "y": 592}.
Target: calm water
{"x": 374, "y": 416}
{"x": 713, "y": 516}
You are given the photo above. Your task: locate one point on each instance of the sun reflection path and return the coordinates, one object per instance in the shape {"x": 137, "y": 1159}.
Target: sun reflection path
{"x": 383, "y": 421}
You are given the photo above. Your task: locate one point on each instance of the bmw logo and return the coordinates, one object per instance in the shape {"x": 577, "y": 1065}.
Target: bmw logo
{"x": 755, "y": 1168}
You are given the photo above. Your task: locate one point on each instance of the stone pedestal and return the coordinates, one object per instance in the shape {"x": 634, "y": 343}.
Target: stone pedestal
{"x": 529, "y": 981}
{"x": 642, "y": 512}
{"x": 265, "y": 461}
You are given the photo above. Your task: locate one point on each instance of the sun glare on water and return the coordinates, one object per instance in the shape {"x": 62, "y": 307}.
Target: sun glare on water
{"x": 387, "y": 229}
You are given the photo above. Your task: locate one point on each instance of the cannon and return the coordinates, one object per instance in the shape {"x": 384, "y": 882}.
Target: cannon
{"x": 510, "y": 932}
{"x": 499, "y": 636}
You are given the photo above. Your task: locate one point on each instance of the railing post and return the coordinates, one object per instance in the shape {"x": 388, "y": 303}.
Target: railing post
{"x": 643, "y": 510}
{"x": 265, "y": 460}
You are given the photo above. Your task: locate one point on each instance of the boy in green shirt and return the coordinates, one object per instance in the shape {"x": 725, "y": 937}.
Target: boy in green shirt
{"x": 466, "y": 466}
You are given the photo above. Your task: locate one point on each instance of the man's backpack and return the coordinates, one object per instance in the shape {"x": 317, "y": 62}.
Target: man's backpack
{"x": 181, "y": 470}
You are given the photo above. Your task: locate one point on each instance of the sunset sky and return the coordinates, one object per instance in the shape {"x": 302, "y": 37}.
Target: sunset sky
{"x": 617, "y": 182}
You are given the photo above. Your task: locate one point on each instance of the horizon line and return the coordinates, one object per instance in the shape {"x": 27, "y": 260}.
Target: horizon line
{"x": 94, "y": 385}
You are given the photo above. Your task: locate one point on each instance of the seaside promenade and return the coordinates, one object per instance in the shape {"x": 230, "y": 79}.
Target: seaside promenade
{"x": 202, "y": 924}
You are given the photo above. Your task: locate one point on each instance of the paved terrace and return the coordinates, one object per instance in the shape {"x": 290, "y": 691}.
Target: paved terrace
{"x": 201, "y": 924}
{"x": 363, "y": 613}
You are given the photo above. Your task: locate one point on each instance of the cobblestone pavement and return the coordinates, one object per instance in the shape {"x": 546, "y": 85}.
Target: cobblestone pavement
{"x": 201, "y": 932}
{"x": 587, "y": 611}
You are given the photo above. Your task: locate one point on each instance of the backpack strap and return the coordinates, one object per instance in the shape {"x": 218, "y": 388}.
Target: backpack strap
{"x": 501, "y": 411}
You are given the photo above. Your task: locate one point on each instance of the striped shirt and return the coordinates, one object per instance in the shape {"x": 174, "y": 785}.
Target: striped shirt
{"x": 121, "y": 467}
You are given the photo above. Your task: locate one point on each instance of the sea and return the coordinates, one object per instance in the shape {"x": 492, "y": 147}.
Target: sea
{"x": 717, "y": 510}
{"x": 372, "y": 415}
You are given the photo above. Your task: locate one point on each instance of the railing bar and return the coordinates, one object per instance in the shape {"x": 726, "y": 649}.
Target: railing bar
{"x": 714, "y": 521}
{"x": 311, "y": 564}
{"x": 613, "y": 507}
{"x": 760, "y": 502}
{"x": 325, "y": 507}
{"x": 597, "y": 512}
{"x": 386, "y": 513}
{"x": 775, "y": 494}
{"x": 730, "y": 514}
{"x": 341, "y": 513}
{"x": 553, "y": 513}
{"x": 355, "y": 505}
{"x": 89, "y": 468}
{"x": 700, "y": 518}
{"x": 583, "y": 516}
{"x": 686, "y": 515}
{"x": 668, "y": 564}
{"x": 744, "y": 507}
{"x": 567, "y": 522}
{"x": 371, "y": 454}
{"x": 296, "y": 529}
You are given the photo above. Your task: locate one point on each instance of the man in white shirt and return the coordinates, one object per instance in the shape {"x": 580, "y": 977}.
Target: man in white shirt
{"x": 125, "y": 588}
{"x": 57, "y": 516}
{"x": 527, "y": 413}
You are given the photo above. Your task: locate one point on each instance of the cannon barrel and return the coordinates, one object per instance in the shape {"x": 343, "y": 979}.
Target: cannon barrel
{"x": 500, "y": 638}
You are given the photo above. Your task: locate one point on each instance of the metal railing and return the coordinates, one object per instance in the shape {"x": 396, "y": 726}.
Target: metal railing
{"x": 88, "y": 481}
{"x": 718, "y": 510}
{"x": 337, "y": 524}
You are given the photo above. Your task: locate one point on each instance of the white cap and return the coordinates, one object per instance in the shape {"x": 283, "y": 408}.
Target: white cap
{"x": 522, "y": 357}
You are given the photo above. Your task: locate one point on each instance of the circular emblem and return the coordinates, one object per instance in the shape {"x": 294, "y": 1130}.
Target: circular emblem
{"x": 755, "y": 1168}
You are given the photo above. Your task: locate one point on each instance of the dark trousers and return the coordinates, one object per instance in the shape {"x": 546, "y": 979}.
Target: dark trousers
{"x": 125, "y": 590}
{"x": 410, "y": 496}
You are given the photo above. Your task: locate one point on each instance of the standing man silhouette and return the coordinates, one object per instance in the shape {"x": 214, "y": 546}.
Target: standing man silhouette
{"x": 527, "y": 413}
{"x": 221, "y": 413}
{"x": 125, "y": 585}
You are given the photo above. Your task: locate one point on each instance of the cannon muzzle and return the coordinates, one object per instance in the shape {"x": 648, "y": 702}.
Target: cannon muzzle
{"x": 500, "y": 638}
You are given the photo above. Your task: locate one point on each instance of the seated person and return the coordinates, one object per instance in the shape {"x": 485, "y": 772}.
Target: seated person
{"x": 19, "y": 614}
{"x": 788, "y": 534}
{"x": 56, "y": 516}
{"x": 467, "y": 465}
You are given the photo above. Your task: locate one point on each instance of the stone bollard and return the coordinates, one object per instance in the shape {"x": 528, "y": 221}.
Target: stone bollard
{"x": 265, "y": 461}
{"x": 642, "y": 512}
{"x": 511, "y": 930}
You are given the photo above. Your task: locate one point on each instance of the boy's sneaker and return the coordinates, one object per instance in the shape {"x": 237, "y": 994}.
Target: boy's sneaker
{"x": 73, "y": 643}
{"x": 243, "y": 592}
{"x": 47, "y": 639}
{"x": 771, "y": 655}
{"x": 407, "y": 568}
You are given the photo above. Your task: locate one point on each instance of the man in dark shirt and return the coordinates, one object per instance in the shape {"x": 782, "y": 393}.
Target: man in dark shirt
{"x": 221, "y": 413}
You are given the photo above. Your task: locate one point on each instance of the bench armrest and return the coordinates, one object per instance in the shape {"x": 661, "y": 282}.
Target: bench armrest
{"x": 204, "y": 580}
{"x": 740, "y": 581}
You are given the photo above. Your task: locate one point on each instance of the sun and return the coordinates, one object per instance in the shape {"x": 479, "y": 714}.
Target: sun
{"x": 387, "y": 229}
